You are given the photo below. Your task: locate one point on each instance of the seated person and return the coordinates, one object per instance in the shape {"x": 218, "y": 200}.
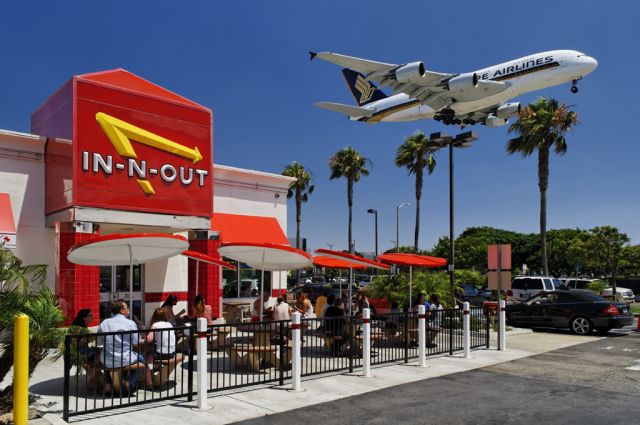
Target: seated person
{"x": 321, "y": 301}
{"x": 170, "y": 302}
{"x": 281, "y": 311}
{"x": 117, "y": 351}
{"x": 81, "y": 353}
{"x": 202, "y": 309}
{"x": 335, "y": 321}
{"x": 165, "y": 340}
{"x": 304, "y": 306}
{"x": 393, "y": 319}
{"x": 266, "y": 309}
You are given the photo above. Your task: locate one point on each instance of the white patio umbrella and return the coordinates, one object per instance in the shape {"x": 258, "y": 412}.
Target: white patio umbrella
{"x": 266, "y": 256}
{"x": 127, "y": 249}
{"x": 353, "y": 260}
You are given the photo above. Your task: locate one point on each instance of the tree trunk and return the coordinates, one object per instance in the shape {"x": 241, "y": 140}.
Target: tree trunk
{"x": 543, "y": 184}
{"x": 416, "y": 234}
{"x": 298, "y": 219}
{"x": 350, "y": 203}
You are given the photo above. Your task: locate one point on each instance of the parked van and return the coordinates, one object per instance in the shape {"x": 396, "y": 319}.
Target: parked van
{"x": 578, "y": 283}
{"x": 524, "y": 287}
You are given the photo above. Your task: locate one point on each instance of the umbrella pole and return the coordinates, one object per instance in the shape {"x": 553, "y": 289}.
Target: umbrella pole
{"x": 340, "y": 281}
{"x": 410, "y": 282}
{"x": 197, "y": 275}
{"x": 350, "y": 288}
{"x": 130, "y": 284}
{"x": 262, "y": 289}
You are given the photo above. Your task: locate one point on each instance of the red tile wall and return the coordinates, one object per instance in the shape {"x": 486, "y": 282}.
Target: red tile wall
{"x": 77, "y": 286}
{"x": 160, "y": 297}
{"x": 209, "y": 276}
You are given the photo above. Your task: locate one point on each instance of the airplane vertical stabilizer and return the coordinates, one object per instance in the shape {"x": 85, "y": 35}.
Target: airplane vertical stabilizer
{"x": 363, "y": 91}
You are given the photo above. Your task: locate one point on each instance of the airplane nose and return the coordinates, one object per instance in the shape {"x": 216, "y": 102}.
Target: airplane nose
{"x": 591, "y": 63}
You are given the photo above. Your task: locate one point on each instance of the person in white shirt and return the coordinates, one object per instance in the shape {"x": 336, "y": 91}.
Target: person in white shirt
{"x": 117, "y": 349}
{"x": 281, "y": 311}
{"x": 164, "y": 337}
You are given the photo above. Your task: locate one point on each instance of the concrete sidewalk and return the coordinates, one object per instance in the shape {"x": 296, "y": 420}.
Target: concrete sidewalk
{"x": 258, "y": 401}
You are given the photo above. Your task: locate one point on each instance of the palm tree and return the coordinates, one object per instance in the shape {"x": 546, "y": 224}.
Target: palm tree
{"x": 350, "y": 164}
{"x": 415, "y": 155}
{"x": 300, "y": 189}
{"x": 542, "y": 126}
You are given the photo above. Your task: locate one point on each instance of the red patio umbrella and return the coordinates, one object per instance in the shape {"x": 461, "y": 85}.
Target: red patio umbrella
{"x": 334, "y": 263}
{"x": 266, "y": 256}
{"x": 353, "y": 260}
{"x": 412, "y": 260}
{"x": 123, "y": 249}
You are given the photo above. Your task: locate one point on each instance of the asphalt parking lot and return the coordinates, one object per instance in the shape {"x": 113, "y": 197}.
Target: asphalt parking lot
{"x": 593, "y": 383}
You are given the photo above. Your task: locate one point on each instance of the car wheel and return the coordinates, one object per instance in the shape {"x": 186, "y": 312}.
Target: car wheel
{"x": 581, "y": 325}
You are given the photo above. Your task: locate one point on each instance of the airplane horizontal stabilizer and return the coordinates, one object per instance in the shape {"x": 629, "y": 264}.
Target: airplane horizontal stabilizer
{"x": 352, "y": 111}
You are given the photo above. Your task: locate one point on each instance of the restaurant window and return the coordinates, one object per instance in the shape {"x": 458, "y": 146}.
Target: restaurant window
{"x": 249, "y": 278}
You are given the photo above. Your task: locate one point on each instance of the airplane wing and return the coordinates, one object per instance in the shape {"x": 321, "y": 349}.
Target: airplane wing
{"x": 429, "y": 87}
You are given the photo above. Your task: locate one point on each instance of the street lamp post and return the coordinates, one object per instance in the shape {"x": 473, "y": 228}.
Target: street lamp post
{"x": 438, "y": 141}
{"x": 375, "y": 213}
{"x": 404, "y": 204}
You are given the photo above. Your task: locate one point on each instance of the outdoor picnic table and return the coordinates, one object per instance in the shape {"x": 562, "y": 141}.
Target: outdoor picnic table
{"x": 250, "y": 355}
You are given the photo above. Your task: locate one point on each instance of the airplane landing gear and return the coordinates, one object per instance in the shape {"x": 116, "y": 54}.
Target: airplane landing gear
{"x": 574, "y": 85}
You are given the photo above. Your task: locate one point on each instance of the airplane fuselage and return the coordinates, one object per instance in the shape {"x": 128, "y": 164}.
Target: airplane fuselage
{"x": 526, "y": 74}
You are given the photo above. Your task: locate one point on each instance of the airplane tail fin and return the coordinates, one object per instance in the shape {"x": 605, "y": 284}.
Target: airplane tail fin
{"x": 362, "y": 90}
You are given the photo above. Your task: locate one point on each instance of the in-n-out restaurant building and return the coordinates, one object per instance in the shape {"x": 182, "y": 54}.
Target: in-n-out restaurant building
{"x": 111, "y": 152}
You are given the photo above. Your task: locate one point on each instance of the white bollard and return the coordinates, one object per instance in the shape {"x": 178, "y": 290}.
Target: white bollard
{"x": 296, "y": 329}
{"x": 466, "y": 330}
{"x": 201, "y": 350}
{"x": 366, "y": 342}
{"x": 422, "y": 336}
{"x": 502, "y": 326}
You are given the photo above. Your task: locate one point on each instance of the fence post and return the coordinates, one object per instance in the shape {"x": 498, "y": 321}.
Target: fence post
{"x": 67, "y": 377}
{"x": 422, "y": 336}
{"x": 501, "y": 327}
{"x": 191, "y": 337}
{"x": 487, "y": 327}
{"x": 296, "y": 329}
{"x": 366, "y": 342}
{"x": 406, "y": 337}
{"x": 201, "y": 327}
{"x": 282, "y": 349}
{"x": 450, "y": 331}
{"x": 466, "y": 330}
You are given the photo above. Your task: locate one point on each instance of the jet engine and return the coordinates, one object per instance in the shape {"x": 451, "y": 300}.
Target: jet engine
{"x": 410, "y": 72}
{"x": 508, "y": 109}
{"x": 493, "y": 121}
{"x": 463, "y": 82}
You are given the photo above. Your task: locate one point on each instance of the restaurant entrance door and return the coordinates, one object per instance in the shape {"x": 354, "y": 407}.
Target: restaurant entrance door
{"x": 114, "y": 285}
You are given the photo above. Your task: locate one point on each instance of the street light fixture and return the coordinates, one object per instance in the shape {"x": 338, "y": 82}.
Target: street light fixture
{"x": 375, "y": 212}
{"x": 437, "y": 141}
{"x": 404, "y": 204}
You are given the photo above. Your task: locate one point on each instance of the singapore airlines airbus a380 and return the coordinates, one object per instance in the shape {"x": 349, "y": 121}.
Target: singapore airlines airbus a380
{"x": 462, "y": 99}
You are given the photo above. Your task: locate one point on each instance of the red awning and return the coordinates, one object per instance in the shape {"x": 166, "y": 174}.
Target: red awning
{"x": 412, "y": 260}
{"x": 6, "y": 214}
{"x": 198, "y": 256}
{"x": 7, "y": 225}
{"x": 235, "y": 228}
{"x": 334, "y": 263}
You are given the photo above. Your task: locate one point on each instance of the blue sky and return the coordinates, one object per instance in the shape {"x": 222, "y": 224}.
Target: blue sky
{"x": 248, "y": 62}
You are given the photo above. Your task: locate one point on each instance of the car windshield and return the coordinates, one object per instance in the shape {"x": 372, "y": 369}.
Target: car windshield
{"x": 588, "y": 296}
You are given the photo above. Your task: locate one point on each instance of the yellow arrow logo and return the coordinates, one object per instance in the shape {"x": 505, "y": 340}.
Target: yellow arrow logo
{"x": 121, "y": 133}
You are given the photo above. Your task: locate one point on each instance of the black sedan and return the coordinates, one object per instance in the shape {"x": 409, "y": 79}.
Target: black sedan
{"x": 580, "y": 311}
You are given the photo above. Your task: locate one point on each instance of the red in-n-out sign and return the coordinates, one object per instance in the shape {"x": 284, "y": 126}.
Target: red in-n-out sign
{"x": 505, "y": 257}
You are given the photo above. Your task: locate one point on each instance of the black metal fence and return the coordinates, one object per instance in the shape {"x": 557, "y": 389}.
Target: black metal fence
{"x": 106, "y": 371}
{"x": 119, "y": 369}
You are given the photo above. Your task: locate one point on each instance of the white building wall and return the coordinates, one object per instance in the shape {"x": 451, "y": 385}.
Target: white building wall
{"x": 22, "y": 177}
{"x": 247, "y": 192}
